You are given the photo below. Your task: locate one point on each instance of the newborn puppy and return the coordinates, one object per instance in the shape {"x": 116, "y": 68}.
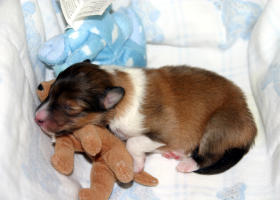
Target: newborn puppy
{"x": 186, "y": 113}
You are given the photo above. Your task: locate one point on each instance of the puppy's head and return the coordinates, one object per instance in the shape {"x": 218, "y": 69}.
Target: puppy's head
{"x": 82, "y": 94}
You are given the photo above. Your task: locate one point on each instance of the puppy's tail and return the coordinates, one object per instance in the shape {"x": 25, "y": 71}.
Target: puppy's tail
{"x": 229, "y": 159}
{"x": 228, "y": 136}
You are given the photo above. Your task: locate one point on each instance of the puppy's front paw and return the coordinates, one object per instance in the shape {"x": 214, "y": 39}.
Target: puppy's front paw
{"x": 139, "y": 163}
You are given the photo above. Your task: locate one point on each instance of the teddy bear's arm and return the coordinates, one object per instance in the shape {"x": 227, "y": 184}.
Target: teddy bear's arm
{"x": 89, "y": 139}
{"x": 115, "y": 155}
{"x": 145, "y": 178}
{"x": 120, "y": 162}
{"x": 63, "y": 157}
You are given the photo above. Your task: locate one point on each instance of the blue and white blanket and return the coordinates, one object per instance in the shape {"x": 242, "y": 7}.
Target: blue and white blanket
{"x": 239, "y": 39}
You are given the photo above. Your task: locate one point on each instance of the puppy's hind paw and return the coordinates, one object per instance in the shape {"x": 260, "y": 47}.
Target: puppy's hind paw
{"x": 187, "y": 165}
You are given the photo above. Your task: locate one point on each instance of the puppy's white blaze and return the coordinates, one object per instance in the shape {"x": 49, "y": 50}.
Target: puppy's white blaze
{"x": 43, "y": 107}
{"x": 131, "y": 122}
{"x": 51, "y": 134}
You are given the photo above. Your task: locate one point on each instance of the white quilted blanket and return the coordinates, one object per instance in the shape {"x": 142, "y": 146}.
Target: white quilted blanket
{"x": 239, "y": 39}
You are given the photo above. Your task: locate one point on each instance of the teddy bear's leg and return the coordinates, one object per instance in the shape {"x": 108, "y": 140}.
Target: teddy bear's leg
{"x": 63, "y": 157}
{"x": 90, "y": 140}
{"x": 120, "y": 162}
{"x": 101, "y": 183}
{"x": 145, "y": 178}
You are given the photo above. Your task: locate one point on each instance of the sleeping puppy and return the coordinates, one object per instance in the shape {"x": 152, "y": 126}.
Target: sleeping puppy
{"x": 186, "y": 113}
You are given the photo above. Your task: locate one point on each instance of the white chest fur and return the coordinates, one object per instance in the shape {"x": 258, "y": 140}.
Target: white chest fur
{"x": 130, "y": 123}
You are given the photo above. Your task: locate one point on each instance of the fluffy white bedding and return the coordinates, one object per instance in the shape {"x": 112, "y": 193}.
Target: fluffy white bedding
{"x": 236, "y": 38}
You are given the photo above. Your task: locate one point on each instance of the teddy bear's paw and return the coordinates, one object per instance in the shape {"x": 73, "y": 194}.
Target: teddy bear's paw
{"x": 63, "y": 164}
{"x": 145, "y": 179}
{"x": 124, "y": 172}
{"x": 85, "y": 194}
{"x": 91, "y": 145}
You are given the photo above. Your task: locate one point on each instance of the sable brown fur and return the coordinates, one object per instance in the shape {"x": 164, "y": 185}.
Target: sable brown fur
{"x": 197, "y": 108}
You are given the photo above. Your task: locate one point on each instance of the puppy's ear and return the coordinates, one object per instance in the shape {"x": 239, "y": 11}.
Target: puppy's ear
{"x": 87, "y": 61}
{"x": 111, "y": 97}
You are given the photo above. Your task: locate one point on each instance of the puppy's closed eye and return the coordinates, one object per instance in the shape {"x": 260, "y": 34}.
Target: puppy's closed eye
{"x": 72, "y": 107}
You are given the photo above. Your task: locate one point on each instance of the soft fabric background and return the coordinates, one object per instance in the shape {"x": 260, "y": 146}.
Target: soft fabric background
{"x": 239, "y": 39}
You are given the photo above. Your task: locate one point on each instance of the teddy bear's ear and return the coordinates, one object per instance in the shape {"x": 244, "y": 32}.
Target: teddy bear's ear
{"x": 43, "y": 89}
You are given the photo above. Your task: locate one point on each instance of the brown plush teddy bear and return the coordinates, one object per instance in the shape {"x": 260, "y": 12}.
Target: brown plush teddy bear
{"x": 111, "y": 163}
